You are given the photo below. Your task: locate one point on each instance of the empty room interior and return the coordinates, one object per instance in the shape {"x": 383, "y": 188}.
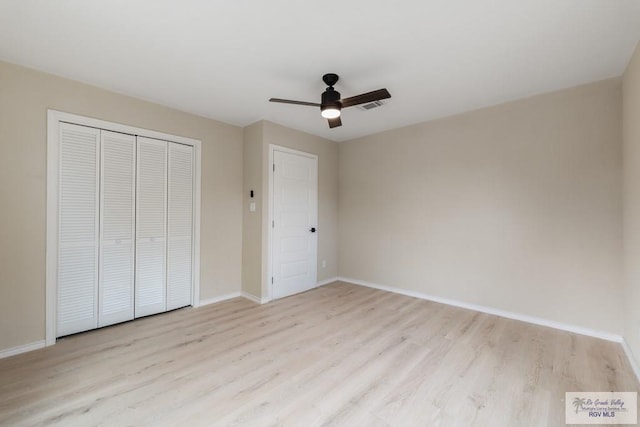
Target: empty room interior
{"x": 290, "y": 213}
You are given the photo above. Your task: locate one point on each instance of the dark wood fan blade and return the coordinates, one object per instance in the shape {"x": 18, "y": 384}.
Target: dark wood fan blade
{"x": 289, "y": 101}
{"x": 376, "y": 95}
{"x": 334, "y": 123}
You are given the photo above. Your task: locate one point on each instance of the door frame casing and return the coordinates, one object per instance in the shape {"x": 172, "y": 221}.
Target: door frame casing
{"x": 54, "y": 118}
{"x": 272, "y": 149}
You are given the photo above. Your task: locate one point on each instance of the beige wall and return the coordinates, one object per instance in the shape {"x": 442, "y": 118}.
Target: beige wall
{"x": 252, "y": 221}
{"x": 255, "y": 235}
{"x": 515, "y": 207}
{"x": 631, "y": 137}
{"x": 25, "y": 96}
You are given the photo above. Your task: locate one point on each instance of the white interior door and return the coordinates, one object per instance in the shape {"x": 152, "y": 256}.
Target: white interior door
{"x": 77, "y": 298}
{"x": 151, "y": 227}
{"x": 117, "y": 221}
{"x": 180, "y": 226}
{"x": 295, "y": 220}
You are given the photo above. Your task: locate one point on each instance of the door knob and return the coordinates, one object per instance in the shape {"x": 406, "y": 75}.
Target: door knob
{"x": 313, "y": 229}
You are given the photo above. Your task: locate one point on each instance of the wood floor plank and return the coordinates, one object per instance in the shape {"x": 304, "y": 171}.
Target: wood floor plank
{"x": 337, "y": 355}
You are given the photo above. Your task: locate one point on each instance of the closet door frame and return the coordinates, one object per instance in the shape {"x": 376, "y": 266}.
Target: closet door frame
{"x": 54, "y": 118}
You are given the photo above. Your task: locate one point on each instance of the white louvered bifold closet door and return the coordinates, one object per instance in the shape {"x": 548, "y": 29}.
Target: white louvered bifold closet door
{"x": 77, "y": 308}
{"x": 151, "y": 226}
{"x": 117, "y": 221}
{"x": 180, "y": 226}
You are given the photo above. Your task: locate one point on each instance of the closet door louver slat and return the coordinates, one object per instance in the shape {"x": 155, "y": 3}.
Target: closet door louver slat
{"x": 180, "y": 226}
{"x": 117, "y": 220}
{"x": 78, "y": 229}
{"x": 151, "y": 214}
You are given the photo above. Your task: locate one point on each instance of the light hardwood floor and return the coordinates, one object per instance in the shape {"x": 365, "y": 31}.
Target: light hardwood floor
{"x": 337, "y": 355}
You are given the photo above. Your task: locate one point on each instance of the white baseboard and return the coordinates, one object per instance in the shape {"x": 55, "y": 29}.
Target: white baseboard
{"x": 21, "y": 349}
{"x": 219, "y": 299}
{"x": 254, "y": 298}
{"x": 490, "y": 310}
{"x": 265, "y": 300}
{"x": 327, "y": 281}
{"x": 632, "y": 359}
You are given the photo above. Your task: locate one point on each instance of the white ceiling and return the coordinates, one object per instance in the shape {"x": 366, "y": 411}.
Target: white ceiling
{"x": 225, "y": 59}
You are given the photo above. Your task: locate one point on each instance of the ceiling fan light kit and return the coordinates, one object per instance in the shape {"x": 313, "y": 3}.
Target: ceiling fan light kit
{"x": 330, "y": 111}
{"x": 331, "y": 105}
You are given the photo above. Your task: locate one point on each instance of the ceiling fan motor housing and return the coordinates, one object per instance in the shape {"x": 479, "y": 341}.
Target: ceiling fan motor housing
{"x": 331, "y": 97}
{"x": 331, "y": 105}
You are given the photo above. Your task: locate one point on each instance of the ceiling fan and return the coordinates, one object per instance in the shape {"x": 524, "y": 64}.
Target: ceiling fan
{"x": 331, "y": 103}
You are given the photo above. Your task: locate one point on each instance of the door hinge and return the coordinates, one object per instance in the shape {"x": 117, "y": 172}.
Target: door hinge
{"x": 274, "y": 167}
{"x": 273, "y": 224}
{"x": 272, "y": 280}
